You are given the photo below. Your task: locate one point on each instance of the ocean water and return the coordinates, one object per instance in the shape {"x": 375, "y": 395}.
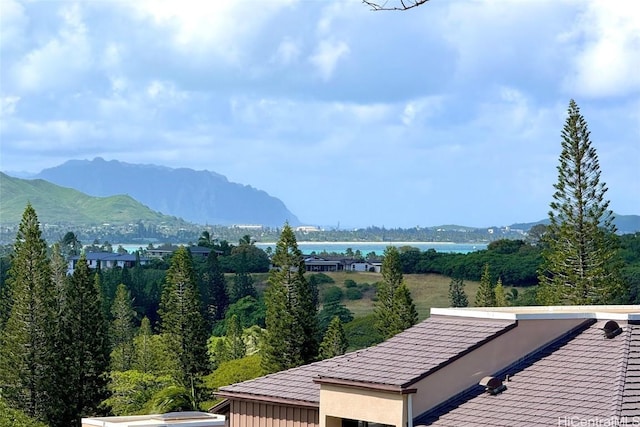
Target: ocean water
{"x": 363, "y": 247}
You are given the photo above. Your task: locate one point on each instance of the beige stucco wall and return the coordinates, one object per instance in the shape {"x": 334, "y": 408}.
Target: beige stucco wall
{"x": 493, "y": 356}
{"x": 338, "y": 402}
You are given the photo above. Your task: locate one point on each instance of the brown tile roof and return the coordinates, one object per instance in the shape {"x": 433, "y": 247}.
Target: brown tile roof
{"x": 582, "y": 376}
{"x": 397, "y": 362}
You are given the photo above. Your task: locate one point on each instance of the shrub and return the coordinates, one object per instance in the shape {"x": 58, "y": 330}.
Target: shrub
{"x": 332, "y": 294}
{"x": 349, "y": 283}
{"x": 353, "y": 294}
{"x": 319, "y": 278}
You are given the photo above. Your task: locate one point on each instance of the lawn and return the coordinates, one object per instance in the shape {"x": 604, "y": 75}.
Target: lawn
{"x": 427, "y": 290}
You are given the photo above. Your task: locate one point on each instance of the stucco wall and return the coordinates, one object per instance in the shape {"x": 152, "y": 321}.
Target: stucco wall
{"x": 365, "y": 405}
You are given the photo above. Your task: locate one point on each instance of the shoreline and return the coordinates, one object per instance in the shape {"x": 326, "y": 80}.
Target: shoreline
{"x": 303, "y": 242}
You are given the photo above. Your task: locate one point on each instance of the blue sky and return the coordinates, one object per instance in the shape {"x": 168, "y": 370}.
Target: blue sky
{"x": 448, "y": 113}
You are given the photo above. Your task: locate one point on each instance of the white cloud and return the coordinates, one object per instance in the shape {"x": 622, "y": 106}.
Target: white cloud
{"x": 419, "y": 108}
{"x": 13, "y": 22}
{"x": 327, "y": 55}
{"x": 288, "y": 52}
{"x": 8, "y": 105}
{"x": 203, "y": 28}
{"x": 57, "y": 62}
{"x": 608, "y": 62}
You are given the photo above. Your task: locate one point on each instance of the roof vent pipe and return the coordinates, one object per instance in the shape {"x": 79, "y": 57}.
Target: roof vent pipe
{"x": 611, "y": 329}
{"x": 493, "y": 385}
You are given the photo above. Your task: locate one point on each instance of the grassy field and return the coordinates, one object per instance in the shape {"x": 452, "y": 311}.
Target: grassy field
{"x": 427, "y": 290}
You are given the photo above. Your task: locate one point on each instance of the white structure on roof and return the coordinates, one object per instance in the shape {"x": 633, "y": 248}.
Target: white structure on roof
{"x": 178, "y": 419}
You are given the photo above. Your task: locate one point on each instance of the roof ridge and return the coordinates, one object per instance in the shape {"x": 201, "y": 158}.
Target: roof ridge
{"x": 621, "y": 379}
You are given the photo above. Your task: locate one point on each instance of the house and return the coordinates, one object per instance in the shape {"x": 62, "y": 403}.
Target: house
{"x": 178, "y": 419}
{"x": 317, "y": 264}
{"x": 353, "y": 265}
{"x": 106, "y": 260}
{"x": 161, "y": 252}
{"x": 513, "y": 366}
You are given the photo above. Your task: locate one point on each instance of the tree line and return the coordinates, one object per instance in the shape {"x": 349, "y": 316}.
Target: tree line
{"x": 73, "y": 347}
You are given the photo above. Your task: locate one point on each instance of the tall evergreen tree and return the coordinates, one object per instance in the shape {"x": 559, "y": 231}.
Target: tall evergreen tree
{"x": 486, "y": 296}
{"x": 214, "y": 290}
{"x": 579, "y": 259}
{"x": 122, "y": 330}
{"x": 405, "y": 314}
{"x": 390, "y": 305}
{"x": 59, "y": 277}
{"x": 27, "y": 340}
{"x": 242, "y": 286}
{"x": 500, "y": 296}
{"x": 291, "y": 318}
{"x": 334, "y": 342}
{"x": 457, "y": 295}
{"x": 151, "y": 355}
{"x": 85, "y": 347}
{"x": 234, "y": 341}
{"x": 181, "y": 319}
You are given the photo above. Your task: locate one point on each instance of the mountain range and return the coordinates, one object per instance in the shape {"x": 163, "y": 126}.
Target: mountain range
{"x": 200, "y": 197}
{"x": 59, "y": 205}
{"x": 100, "y": 191}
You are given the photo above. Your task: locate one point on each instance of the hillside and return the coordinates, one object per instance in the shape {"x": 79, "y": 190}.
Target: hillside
{"x": 624, "y": 223}
{"x": 60, "y": 205}
{"x": 202, "y": 197}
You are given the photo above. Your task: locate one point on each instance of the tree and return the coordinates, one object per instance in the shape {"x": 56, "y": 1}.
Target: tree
{"x": 130, "y": 391}
{"x": 334, "y": 342}
{"x": 398, "y": 5}
{"x": 457, "y": 295}
{"x": 70, "y": 245}
{"x": 242, "y": 286}
{"x": 394, "y": 311}
{"x": 214, "y": 290}
{"x": 58, "y": 277}
{"x": 405, "y": 314}
{"x": 486, "y": 296}
{"x": 122, "y": 330}
{"x": 85, "y": 347}
{"x": 500, "y": 297}
{"x": 234, "y": 341}
{"x": 291, "y": 302}
{"x": 181, "y": 319}
{"x": 27, "y": 340}
{"x": 151, "y": 353}
{"x": 331, "y": 310}
{"x": 580, "y": 248}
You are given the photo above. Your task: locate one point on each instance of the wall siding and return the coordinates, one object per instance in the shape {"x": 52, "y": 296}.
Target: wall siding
{"x": 258, "y": 414}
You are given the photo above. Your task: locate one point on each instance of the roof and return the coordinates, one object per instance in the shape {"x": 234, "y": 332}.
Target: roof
{"x": 581, "y": 378}
{"x": 108, "y": 256}
{"x": 610, "y": 312}
{"x": 415, "y": 352}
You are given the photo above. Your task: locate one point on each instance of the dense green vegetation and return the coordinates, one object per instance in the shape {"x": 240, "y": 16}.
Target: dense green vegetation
{"x": 147, "y": 358}
{"x": 60, "y": 205}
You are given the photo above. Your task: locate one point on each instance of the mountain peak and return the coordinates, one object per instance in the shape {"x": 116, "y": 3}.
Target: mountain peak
{"x": 203, "y": 197}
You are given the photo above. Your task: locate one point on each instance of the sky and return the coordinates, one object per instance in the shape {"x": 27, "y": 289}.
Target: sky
{"x": 448, "y": 113}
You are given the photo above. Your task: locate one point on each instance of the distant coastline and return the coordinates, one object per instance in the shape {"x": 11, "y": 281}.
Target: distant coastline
{"x": 303, "y": 242}
{"x": 379, "y": 247}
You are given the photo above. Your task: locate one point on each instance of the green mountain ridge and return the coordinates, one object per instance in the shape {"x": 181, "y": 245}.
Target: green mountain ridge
{"x": 61, "y": 205}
